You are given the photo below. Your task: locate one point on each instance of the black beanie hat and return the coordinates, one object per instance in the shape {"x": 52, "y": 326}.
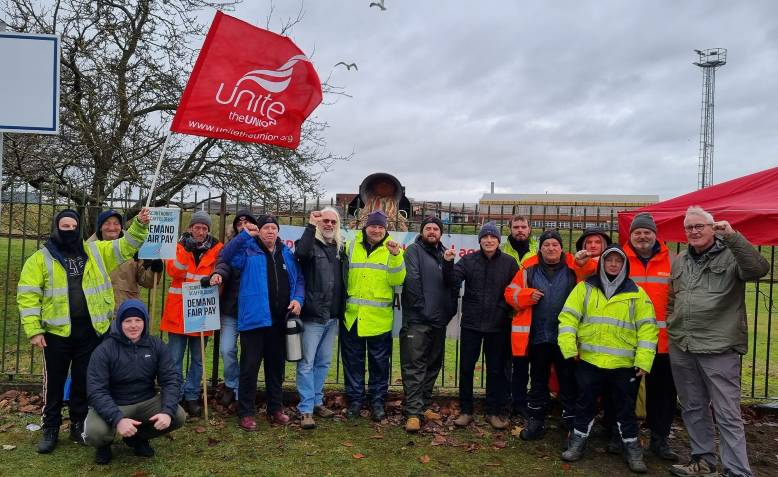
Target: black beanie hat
{"x": 131, "y": 311}
{"x": 267, "y": 219}
{"x": 549, "y": 234}
{"x": 245, "y": 214}
{"x": 431, "y": 219}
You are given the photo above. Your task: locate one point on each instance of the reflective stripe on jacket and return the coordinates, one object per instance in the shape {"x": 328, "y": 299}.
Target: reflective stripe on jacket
{"x": 654, "y": 278}
{"x": 183, "y": 269}
{"x": 508, "y": 249}
{"x": 371, "y": 282}
{"x": 42, "y": 291}
{"x": 128, "y": 278}
{"x": 519, "y": 296}
{"x": 616, "y": 333}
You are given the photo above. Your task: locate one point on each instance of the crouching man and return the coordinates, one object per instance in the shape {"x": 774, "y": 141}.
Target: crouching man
{"x": 120, "y": 386}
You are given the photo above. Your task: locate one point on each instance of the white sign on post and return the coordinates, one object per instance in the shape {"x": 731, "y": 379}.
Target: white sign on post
{"x": 201, "y": 308}
{"x": 163, "y": 234}
{"x": 29, "y": 83}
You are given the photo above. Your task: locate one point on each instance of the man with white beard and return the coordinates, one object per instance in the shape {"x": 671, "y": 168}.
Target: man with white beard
{"x": 323, "y": 260}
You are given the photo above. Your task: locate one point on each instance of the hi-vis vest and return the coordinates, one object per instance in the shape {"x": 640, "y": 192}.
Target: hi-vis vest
{"x": 519, "y": 296}
{"x": 371, "y": 282}
{"x": 654, "y": 278}
{"x": 616, "y": 333}
{"x": 42, "y": 291}
{"x": 507, "y": 248}
{"x": 183, "y": 269}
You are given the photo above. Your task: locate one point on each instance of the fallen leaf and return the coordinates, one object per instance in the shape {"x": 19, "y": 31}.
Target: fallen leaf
{"x": 8, "y": 447}
{"x": 359, "y": 455}
{"x": 5, "y": 427}
{"x": 138, "y": 473}
{"x": 565, "y": 467}
{"x": 347, "y": 444}
{"x": 438, "y": 440}
{"x": 492, "y": 465}
{"x": 516, "y": 431}
{"x": 425, "y": 459}
{"x": 199, "y": 429}
{"x": 30, "y": 408}
{"x": 212, "y": 442}
{"x": 499, "y": 444}
{"x": 377, "y": 436}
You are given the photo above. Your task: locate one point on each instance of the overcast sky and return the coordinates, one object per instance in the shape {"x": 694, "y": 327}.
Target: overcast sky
{"x": 561, "y": 97}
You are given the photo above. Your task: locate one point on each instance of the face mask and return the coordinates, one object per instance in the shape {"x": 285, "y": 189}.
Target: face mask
{"x": 69, "y": 236}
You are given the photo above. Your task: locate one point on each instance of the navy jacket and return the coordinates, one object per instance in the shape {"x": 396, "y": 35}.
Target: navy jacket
{"x": 244, "y": 253}
{"x": 121, "y": 372}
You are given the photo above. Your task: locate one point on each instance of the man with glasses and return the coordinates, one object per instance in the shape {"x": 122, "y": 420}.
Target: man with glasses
{"x": 706, "y": 323}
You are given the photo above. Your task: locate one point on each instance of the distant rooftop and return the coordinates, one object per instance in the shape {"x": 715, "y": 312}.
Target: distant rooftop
{"x": 569, "y": 199}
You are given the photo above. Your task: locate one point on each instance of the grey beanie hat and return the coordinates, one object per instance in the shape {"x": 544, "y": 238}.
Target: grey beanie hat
{"x": 200, "y": 217}
{"x": 643, "y": 221}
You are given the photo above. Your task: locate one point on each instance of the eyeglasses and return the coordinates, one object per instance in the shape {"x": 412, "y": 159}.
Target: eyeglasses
{"x": 329, "y": 221}
{"x": 695, "y": 228}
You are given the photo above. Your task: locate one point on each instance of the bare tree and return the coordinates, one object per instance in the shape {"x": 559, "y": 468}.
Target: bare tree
{"x": 124, "y": 65}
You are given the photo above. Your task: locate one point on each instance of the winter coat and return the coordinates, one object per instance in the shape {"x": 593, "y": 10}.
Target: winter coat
{"x": 484, "y": 307}
{"x": 425, "y": 297}
{"x": 122, "y": 372}
{"x": 317, "y": 268}
{"x": 245, "y": 254}
{"x": 128, "y": 277}
{"x": 706, "y": 309}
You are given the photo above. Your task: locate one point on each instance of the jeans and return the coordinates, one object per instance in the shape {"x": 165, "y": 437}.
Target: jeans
{"x": 379, "y": 352}
{"x": 318, "y": 340}
{"x": 177, "y": 345}
{"x": 228, "y": 349}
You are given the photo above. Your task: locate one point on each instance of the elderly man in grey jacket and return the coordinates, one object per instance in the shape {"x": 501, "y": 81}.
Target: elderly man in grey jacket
{"x": 706, "y": 323}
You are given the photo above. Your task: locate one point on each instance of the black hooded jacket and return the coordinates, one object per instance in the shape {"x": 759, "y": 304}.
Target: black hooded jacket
{"x": 425, "y": 297}
{"x": 228, "y": 301}
{"x": 122, "y": 373}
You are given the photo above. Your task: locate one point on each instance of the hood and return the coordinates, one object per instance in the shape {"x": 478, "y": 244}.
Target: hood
{"x": 622, "y": 282}
{"x": 242, "y": 213}
{"x": 116, "y": 326}
{"x": 60, "y": 243}
{"x": 579, "y": 244}
{"x": 105, "y": 215}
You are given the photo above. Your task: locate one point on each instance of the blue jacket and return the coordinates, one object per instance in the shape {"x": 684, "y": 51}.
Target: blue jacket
{"x": 244, "y": 253}
{"x": 122, "y": 372}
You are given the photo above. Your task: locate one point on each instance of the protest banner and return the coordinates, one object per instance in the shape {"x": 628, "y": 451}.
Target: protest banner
{"x": 201, "y": 314}
{"x": 163, "y": 234}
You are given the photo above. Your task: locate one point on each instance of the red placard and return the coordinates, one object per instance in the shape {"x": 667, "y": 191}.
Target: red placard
{"x": 248, "y": 84}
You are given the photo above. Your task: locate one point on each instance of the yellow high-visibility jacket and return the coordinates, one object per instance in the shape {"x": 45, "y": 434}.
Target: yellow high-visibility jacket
{"x": 508, "y": 249}
{"x": 42, "y": 291}
{"x": 616, "y": 333}
{"x": 371, "y": 282}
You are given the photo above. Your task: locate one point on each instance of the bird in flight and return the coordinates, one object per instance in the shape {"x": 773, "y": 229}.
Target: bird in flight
{"x": 347, "y": 65}
{"x": 379, "y": 4}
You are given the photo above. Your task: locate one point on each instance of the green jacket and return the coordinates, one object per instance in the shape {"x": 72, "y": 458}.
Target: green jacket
{"x": 42, "y": 291}
{"x": 616, "y": 333}
{"x": 371, "y": 282}
{"x": 706, "y": 310}
{"x": 508, "y": 249}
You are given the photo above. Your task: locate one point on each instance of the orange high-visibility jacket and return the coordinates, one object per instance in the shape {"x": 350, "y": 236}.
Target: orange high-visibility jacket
{"x": 183, "y": 269}
{"x": 654, "y": 278}
{"x": 518, "y": 295}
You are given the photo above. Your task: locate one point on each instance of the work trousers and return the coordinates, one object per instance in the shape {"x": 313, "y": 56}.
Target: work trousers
{"x": 620, "y": 384}
{"x": 421, "y": 356}
{"x": 661, "y": 397}
{"x": 496, "y": 351}
{"x": 98, "y": 433}
{"x": 379, "y": 352}
{"x": 268, "y": 344}
{"x": 541, "y": 358}
{"x": 63, "y": 354}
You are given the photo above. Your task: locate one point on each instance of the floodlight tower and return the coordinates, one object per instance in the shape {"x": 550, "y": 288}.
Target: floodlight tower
{"x": 709, "y": 61}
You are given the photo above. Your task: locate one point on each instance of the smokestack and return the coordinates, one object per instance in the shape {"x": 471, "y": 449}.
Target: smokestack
{"x": 492, "y": 187}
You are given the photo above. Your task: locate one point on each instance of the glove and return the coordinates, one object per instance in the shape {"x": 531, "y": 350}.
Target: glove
{"x": 156, "y": 266}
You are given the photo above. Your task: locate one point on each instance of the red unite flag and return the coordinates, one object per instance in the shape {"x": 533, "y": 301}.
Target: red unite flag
{"x": 248, "y": 84}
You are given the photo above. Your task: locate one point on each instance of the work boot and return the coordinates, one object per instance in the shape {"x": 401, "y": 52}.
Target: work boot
{"x": 413, "y": 424}
{"x": 353, "y": 411}
{"x": 576, "y": 448}
{"x": 497, "y": 422}
{"x": 696, "y": 467}
{"x": 615, "y": 446}
{"x": 247, "y": 423}
{"x": 193, "y": 407}
{"x": 103, "y": 455}
{"x": 661, "y": 448}
{"x": 77, "y": 432}
{"x": 49, "y": 441}
{"x": 430, "y": 415}
{"x": 307, "y": 421}
{"x": 227, "y": 397}
{"x": 378, "y": 412}
{"x": 278, "y": 417}
{"x": 633, "y": 454}
{"x": 463, "y": 420}
{"x": 535, "y": 429}
{"x": 141, "y": 447}
{"x": 323, "y": 411}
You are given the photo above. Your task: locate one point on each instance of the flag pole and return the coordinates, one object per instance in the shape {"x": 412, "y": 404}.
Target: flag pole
{"x": 205, "y": 379}
{"x": 159, "y": 166}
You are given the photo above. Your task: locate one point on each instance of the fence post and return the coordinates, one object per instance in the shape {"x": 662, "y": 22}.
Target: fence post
{"x": 217, "y": 333}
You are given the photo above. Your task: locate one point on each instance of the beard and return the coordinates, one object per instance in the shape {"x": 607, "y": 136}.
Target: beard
{"x": 329, "y": 235}
{"x": 430, "y": 239}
